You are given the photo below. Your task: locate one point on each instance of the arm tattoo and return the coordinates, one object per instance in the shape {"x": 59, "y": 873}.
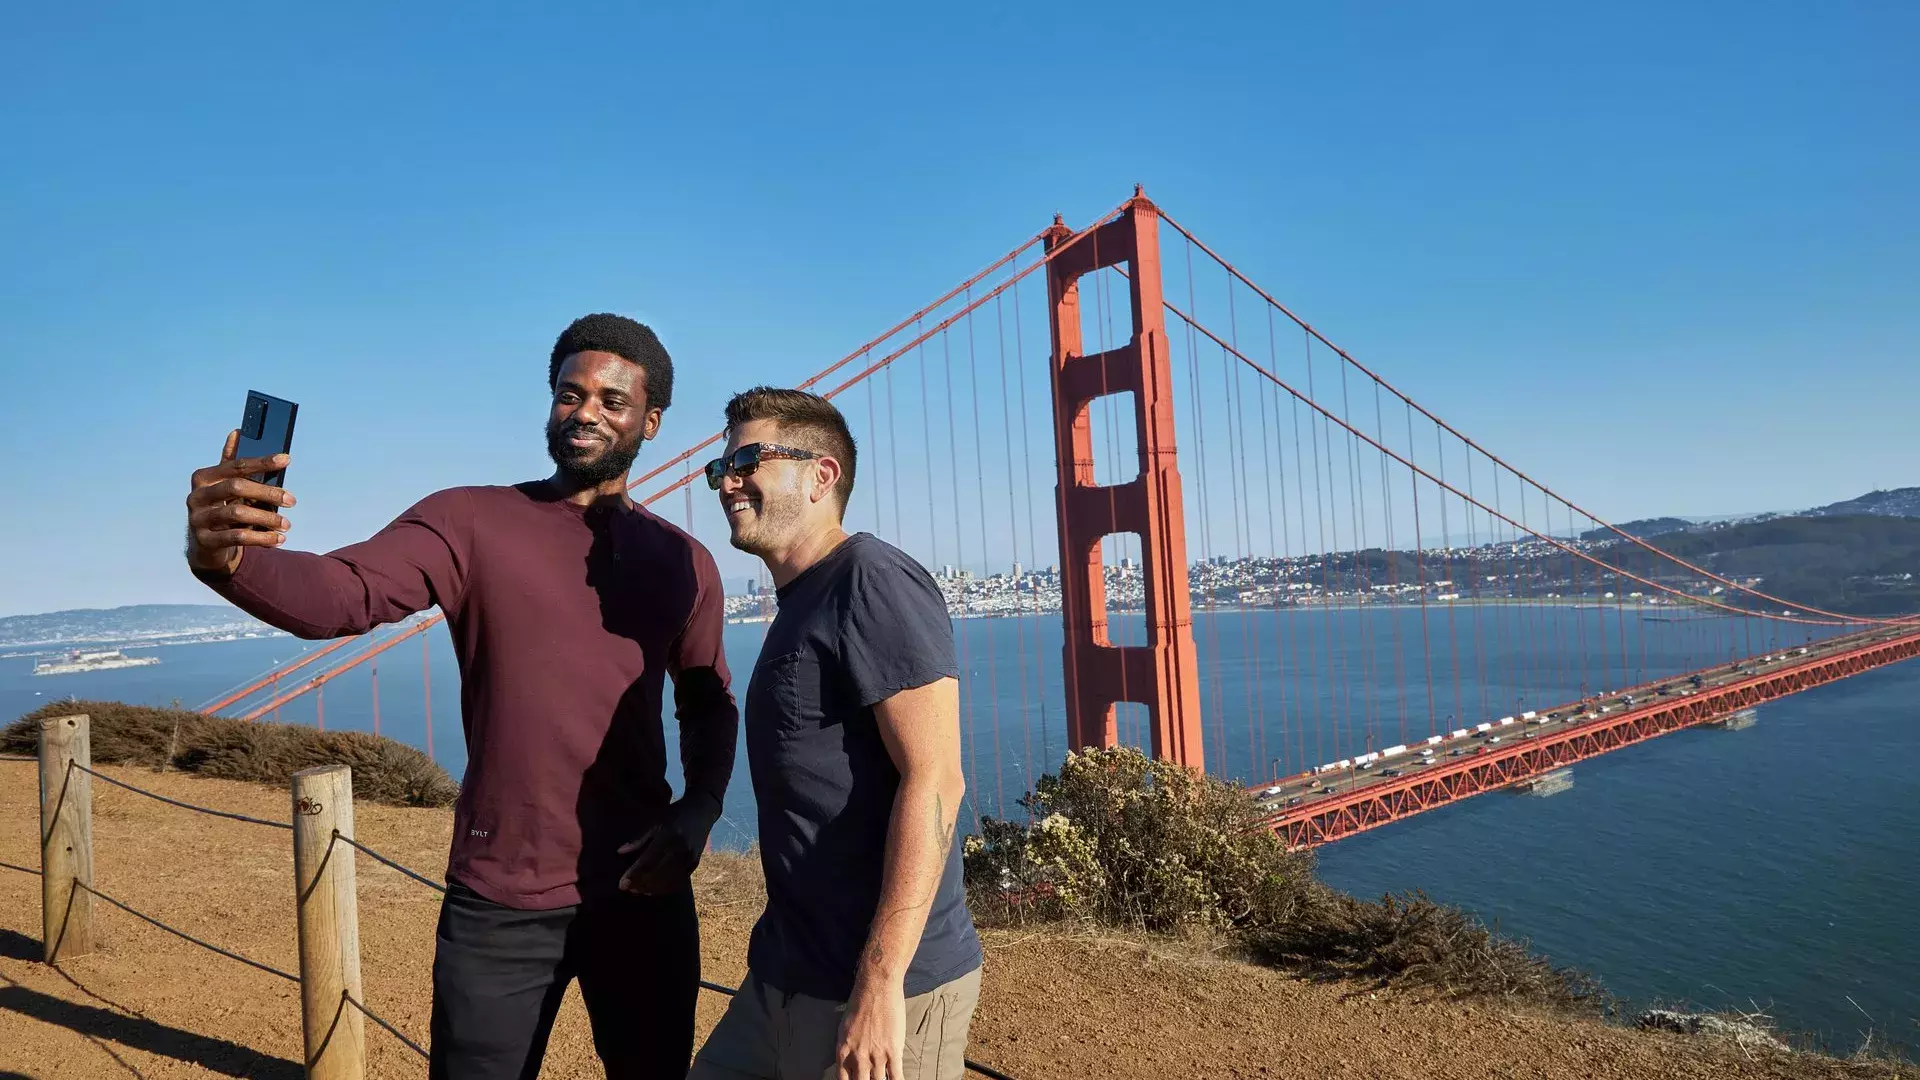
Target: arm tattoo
{"x": 943, "y": 840}
{"x": 942, "y": 832}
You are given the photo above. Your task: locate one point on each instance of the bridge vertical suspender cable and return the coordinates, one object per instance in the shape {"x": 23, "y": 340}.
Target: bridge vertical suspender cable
{"x": 1391, "y": 556}
{"x": 1033, "y": 549}
{"x": 1238, "y": 485}
{"x": 1013, "y": 532}
{"x": 1204, "y": 483}
{"x": 1277, "y": 549}
{"x": 980, "y": 495}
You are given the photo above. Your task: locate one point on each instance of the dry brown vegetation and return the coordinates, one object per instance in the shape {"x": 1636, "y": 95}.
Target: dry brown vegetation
{"x": 384, "y": 771}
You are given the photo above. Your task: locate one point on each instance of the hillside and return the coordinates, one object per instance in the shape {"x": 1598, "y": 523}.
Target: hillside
{"x": 1645, "y": 528}
{"x": 1899, "y": 502}
{"x": 1056, "y": 1005}
{"x": 1862, "y": 564}
{"x": 136, "y": 622}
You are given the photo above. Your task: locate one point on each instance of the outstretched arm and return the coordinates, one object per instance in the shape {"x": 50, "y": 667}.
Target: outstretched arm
{"x": 235, "y": 548}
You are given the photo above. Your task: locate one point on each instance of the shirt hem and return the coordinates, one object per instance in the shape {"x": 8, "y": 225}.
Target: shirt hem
{"x": 914, "y": 987}
{"x": 959, "y": 970}
{"x": 547, "y": 900}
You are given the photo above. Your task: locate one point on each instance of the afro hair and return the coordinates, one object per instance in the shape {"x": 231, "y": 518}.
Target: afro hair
{"x": 631, "y": 341}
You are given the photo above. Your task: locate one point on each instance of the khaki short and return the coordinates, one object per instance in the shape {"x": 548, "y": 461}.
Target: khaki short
{"x": 768, "y": 1034}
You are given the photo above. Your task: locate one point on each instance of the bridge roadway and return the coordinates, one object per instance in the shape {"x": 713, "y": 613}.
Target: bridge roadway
{"x": 1309, "y": 809}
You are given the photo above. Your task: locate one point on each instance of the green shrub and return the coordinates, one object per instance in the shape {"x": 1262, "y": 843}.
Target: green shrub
{"x": 1123, "y": 839}
{"x": 384, "y": 771}
{"x": 1120, "y": 839}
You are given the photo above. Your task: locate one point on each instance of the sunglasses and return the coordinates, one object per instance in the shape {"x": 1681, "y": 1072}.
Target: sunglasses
{"x": 744, "y": 461}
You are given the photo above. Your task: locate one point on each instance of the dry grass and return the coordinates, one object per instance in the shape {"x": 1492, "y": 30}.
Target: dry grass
{"x": 384, "y": 771}
{"x": 1413, "y": 941}
{"x": 1754, "y": 1034}
{"x": 732, "y": 881}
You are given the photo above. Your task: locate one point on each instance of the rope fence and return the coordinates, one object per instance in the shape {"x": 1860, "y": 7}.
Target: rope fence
{"x": 328, "y": 929}
{"x": 328, "y": 923}
{"x": 183, "y": 935}
{"x": 379, "y": 858}
{"x": 391, "y": 1030}
{"x": 178, "y": 803}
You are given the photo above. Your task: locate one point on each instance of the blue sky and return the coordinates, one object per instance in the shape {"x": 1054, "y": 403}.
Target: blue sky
{"x": 1665, "y": 259}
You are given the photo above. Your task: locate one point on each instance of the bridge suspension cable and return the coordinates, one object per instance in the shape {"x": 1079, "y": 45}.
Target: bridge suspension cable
{"x": 1496, "y": 459}
{"x": 1366, "y": 581}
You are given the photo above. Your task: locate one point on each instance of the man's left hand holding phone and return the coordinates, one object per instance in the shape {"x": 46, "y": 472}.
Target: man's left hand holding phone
{"x": 236, "y": 504}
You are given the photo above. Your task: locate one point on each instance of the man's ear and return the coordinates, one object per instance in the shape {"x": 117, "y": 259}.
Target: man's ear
{"x": 651, "y": 429}
{"x": 826, "y": 473}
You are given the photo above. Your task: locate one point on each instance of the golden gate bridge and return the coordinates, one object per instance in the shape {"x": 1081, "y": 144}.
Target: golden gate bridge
{"x": 1374, "y": 585}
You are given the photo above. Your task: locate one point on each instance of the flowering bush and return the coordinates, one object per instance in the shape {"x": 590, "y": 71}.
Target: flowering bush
{"x": 1121, "y": 839}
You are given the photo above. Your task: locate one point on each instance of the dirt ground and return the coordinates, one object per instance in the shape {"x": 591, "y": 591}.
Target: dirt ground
{"x": 1054, "y": 1006}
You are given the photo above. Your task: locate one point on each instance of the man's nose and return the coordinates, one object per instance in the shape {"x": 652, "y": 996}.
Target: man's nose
{"x": 586, "y": 414}
{"x": 730, "y": 484}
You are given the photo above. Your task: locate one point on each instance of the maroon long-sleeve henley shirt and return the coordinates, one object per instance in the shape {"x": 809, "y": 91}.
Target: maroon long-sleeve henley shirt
{"x": 565, "y": 620}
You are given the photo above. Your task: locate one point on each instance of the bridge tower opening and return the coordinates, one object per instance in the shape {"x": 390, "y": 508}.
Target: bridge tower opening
{"x": 1163, "y": 674}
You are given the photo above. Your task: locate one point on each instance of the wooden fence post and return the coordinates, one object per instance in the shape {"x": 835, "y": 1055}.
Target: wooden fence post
{"x": 329, "y": 924}
{"x": 66, "y": 838}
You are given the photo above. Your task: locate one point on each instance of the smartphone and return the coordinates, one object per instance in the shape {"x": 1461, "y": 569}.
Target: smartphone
{"x": 266, "y": 429}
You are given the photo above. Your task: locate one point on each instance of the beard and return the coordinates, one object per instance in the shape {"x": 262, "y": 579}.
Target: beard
{"x": 587, "y": 466}
{"x": 773, "y": 521}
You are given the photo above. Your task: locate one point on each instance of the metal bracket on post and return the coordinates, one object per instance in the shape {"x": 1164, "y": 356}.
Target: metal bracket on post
{"x": 1163, "y": 673}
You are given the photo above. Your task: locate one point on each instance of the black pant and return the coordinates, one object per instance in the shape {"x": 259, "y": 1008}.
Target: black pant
{"x": 499, "y": 974}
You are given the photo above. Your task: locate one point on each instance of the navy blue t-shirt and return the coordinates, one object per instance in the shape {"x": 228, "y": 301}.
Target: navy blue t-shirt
{"x": 855, "y": 628}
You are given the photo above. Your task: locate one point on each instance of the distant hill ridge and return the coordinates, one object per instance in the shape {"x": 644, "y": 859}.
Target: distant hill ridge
{"x": 1897, "y": 502}
{"x": 133, "y": 622}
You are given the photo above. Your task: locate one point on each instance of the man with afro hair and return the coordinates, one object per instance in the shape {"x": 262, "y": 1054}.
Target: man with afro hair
{"x": 569, "y": 606}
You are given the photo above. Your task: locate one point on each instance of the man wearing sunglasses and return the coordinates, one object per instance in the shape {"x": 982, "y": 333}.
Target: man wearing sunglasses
{"x": 569, "y": 607}
{"x": 865, "y": 965}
